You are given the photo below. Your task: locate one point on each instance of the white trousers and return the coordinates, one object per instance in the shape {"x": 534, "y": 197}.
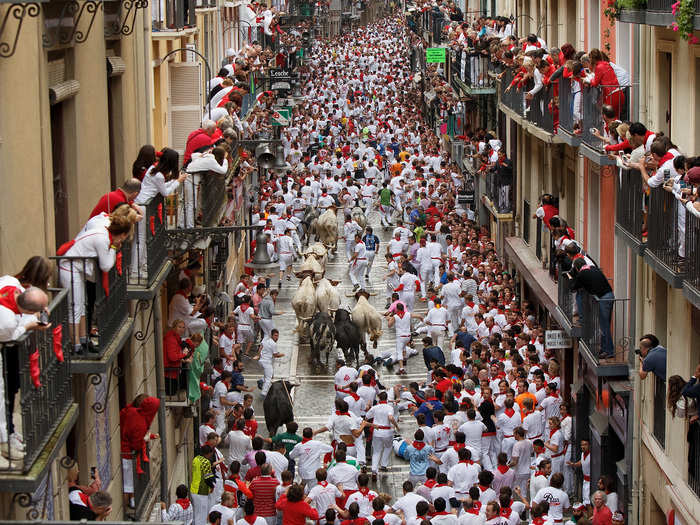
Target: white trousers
{"x": 381, "y": 449}
{"x": 266, "y": 325}
{"x": 357, "y": 272}
{"x": 409, "y": 299}
{"x": 489, "y": 452}
{"x": 453, "y": 314}
{"x": 268, "y": 373}
{"x": 385, "y": 214}
{"x": 73, "y": 281}
{"x": 436, "y": 272}
{"x": 200, "y": 506}
{"x": 400, "y": 350}
{"x": 426, "y": 272}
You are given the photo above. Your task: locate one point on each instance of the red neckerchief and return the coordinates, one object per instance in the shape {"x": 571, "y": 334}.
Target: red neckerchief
{"x": 305, "y": 440}
{"x": 382, "y": 403}
{"x": 470, "y": 304}
{"x": 401, "y": 314}
{"x": 538, "y": 521}
{"x": 503, "y": 469}
{"x": 8, "y": 298}
{"x": 442, "y": 513}
{"x": 323, "y": 483}
{"x": 379, "y": 514}
{"x": 552, "y": 432}
{"x": 430, "y": 483}
{"x": 418, "y": 445}
{"x": 538, "y": 388}
{"x": 244, "y": 307}
{"x": 586, "y": 454}
{"x": 476, "y": 508}
{"x": 467, "y": 461}
{"x": 505, "y": 512}
{"x": 539, "y": 473}
{"x": 184, "y": 503}
{"x": 554, "y": 395}
{"x": 509, "y": 412}
{"x": 251, "y": 518}
{"x": 354, "y": 395}
{"x": 339, "y": 413}
{"x": 470, "y": 392}
{"x": 482, "y": 488}
{"x": 458, "y": 446}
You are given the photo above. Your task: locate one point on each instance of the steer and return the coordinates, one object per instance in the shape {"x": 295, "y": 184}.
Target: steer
{"x": 322, "y": 336}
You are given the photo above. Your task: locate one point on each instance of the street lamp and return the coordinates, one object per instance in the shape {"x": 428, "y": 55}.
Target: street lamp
{"x": 206, "y": 80}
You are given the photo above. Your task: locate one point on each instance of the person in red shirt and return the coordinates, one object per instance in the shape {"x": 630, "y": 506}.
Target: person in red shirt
{"x": 251, "y": 426}
{"x": 173, "y": 357}
{"x": 606, "y": 78}
{"x": 263, "y": 488}
{"x": 601, "y": 513}
{"x": 295, "y": 511}
{"x": 199, "y": 139}
{"x": 127, "y": 193}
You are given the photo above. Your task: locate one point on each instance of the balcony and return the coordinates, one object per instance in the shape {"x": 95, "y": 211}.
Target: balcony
{"x": 197, "y": 209}
{"x": 655, "y": 13}
{"x": 98, "y": 310}
{"x": 580, "y": 113}
{"x": 536, "y": 115}
{"x": 666, "y": 250}
{"x": 172, "y": 15}
{"x": 47, "y": 412}
{"x": 147, "y": 257}
{"x": 691, "y": 285}
{"x": 629, "y": 209}
{"x": 499, "y": 190}
{"x": 694, "y": 458}
{"x": 471, "y": 73}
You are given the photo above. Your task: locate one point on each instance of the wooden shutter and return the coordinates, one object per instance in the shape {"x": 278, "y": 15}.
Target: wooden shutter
{"x": 185, "y": 107}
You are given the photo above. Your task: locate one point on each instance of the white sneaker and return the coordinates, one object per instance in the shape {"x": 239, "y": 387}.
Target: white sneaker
{"x": 16, "y": 442}
{"x": 10, "y": 451}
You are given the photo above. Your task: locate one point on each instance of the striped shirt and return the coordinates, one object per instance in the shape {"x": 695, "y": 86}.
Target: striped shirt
{"x": 201, "y": 474}
{"x": 263, "y": 489}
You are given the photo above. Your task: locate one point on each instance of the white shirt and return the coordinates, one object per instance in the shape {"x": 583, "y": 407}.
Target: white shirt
{"x": 204, "y": 431}
{"x": 308, "y": 457}
{"x": 558, "y": 501}
{"x": 363, "y": 501}
{"x": 472, "y": 432}
{"x": 153, "y": 184}
{"x": 380, "y": 414}
{"x": 226, "y": 513}
{"x": 278, "y": 462}
{"x": 523, "y": 451}
{"x": 238, "y": 445}
{"x": 407, "y": 504}
{"x": 343, "y": 474}
{"x": 463, "y": 476}
{"x": 344, "y": 376}
{"x": 323, "y": 496}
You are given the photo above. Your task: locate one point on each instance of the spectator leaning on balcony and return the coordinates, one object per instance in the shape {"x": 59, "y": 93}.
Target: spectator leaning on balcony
{"x": 689, "y": 196}
{"x": 180, "y": 308}
{"x": 209, "y": 162}
{"x": 104, "y": 242}
{"x": 134, "y": 421}
{"x": 652, "y": 357}
{"x": 593, "y": 280}
{"x": 126, "y": 194}
{"x": 175, "y": 352}
{"x": 200, "y": 140}
{"x": 95, "y": 507}
{"x": 144, "y": 160}
{"x": 680, "y": 400}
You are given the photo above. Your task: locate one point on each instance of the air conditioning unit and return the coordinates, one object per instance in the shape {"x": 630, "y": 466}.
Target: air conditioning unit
{"x": 457, "y": 151}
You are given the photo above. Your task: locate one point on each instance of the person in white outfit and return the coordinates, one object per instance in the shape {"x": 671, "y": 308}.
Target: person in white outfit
{"x": 308, "y": 456}
{"x": 358, "y": 263}
{"x": 382, "y": 417}
{"x": 102, "y": 243}
{"x": 285, "y": 247}
{"x": 268, "y": 353}
{"x": 202, "y": 165}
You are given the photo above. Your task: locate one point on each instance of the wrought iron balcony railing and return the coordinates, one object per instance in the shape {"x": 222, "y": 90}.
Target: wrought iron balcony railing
{"x": 474, "y": 69}
{"x": 176, "y": 15}
{"x": 630, "y": 209}
{"x": 692, "y": 247}
{"x": 43, "y": 376}
{"x": 666, "y": 239}
{"x": 97, "y": 302}
{"x": 565, "y": 295}
{"x": 148, "y": 251}
{"x": 604, "y": 327}
{"x": 499, "y": 189}
{"x": 694, "y": 457}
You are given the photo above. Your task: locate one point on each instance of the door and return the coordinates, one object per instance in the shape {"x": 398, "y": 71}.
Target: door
{"x": 60, "y": 184}
{"x": 185, "y": 108}
{"x": 664, "y": 90}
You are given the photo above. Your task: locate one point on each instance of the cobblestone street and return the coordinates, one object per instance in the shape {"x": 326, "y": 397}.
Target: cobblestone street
{"x": 314, "y": 397}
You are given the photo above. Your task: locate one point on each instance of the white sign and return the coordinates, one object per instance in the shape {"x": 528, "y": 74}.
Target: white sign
{"x": 554, "y": 339}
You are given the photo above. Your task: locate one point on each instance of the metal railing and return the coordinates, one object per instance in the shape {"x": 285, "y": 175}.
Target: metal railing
{"x": 141, "y": 483}
{"x": 97, "y": 301}
{"x": 603, "y": 321}
{"x": 659, "y": 425}
{"x": 473, "y": 69}
{"x": 499, "y": 190}
{"x": 629, "y": 208}
{"x": 177, "y": 15}
{"x": 565, "y": 295}
{"x": 44, "y": 406}
{"x": 694, "y": 457}
{"x": 148, "y": 250}
{"x": 539, "y": 111}
{"x": 526, "y": 221}
{"x": 566, "y": 106}
{"x": 666, "y": 241}
{"x": 198, "y": 202}
{"x": 512, "y": 98}
{"x": 592, "y": 100}
{"x": 692, "y": 246}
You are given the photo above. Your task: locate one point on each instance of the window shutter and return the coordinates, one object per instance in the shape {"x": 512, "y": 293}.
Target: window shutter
{"x": 185, "y": 108}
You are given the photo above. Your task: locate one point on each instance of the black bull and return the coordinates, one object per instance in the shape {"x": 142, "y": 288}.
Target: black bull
{"x": 348, "y": 336}
{"x": 278, "y": 406}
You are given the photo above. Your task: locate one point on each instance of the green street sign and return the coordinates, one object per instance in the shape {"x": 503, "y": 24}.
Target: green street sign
{"x": 435, "y": 55}
{"x": 281, "y": 117}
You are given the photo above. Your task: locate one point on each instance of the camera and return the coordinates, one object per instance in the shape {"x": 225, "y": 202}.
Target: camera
{"x": 92, "y": 472}
{"x": 44, "y": 317}
{"x": 637, "y": 351}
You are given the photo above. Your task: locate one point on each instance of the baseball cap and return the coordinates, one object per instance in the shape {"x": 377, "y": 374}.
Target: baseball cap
{"x": 693, "y": 175}
{"x": 578, "y": 506}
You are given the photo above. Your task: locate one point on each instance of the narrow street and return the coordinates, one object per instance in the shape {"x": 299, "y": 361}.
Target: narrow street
{"x": 314, "y": 397}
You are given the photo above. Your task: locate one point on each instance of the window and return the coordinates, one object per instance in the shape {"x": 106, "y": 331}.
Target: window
{"x": 593, "y": 24}
{"x": 659, "y": 425}
{"x": 664, "y": 86}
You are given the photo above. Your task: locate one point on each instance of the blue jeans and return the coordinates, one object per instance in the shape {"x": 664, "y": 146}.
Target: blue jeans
{"x": 605, "y": 305}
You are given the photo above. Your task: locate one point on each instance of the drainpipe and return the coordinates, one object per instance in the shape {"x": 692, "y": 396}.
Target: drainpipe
{"x": 635, "y": 410}
{"x": 147, "y": 69}
{"x": 160, "y": 386}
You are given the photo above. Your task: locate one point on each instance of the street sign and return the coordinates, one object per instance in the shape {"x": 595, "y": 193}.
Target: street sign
{"x": 435, "y": 55}
{"x": 281, "y": 117}
{"x": 280, "y": 78}
{"x": 554, "y": 339}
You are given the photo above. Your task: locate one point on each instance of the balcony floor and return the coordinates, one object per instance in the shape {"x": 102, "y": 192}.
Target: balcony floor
{"x": 19, "y": 482}
{"x": 80, "y": 365}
